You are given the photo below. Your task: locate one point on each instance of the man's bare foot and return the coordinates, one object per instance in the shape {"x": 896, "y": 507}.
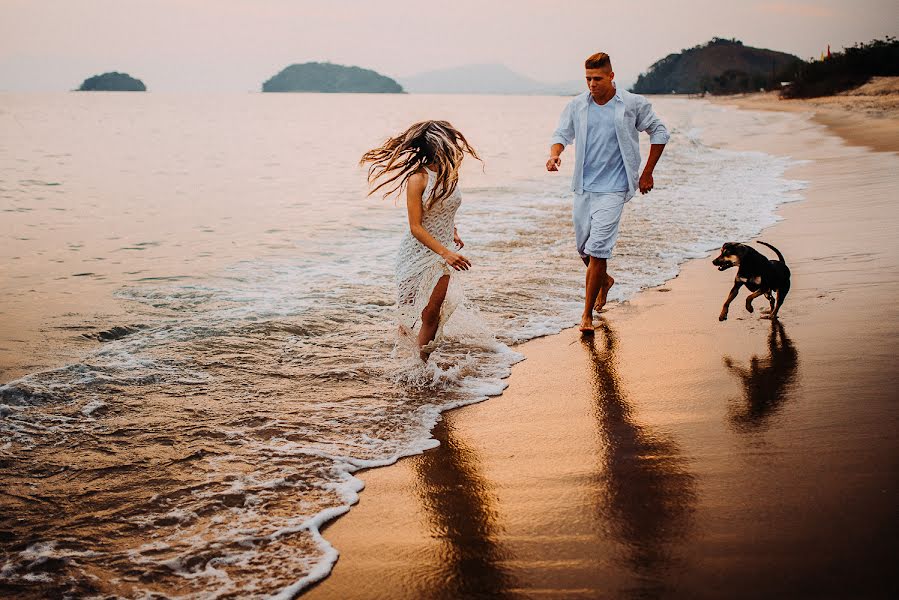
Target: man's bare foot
{"x": 586, "y": 325}
{"x": 604, "y": 293}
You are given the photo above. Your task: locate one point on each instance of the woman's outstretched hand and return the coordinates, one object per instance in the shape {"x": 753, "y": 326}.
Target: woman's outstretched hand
{"x": 553, "y": 163}
{"x": 457, "y": 261}
{"x": 457, "y": 240}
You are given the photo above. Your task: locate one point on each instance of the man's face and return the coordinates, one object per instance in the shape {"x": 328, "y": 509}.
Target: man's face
{"x": 599, "y": 82}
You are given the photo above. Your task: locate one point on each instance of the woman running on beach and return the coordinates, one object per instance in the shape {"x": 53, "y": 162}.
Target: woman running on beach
{"x": 425, "y": 159}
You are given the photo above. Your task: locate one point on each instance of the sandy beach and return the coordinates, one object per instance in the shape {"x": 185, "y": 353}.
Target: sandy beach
{"x": 865, "y": 116}
{"x": 675, "y": 456}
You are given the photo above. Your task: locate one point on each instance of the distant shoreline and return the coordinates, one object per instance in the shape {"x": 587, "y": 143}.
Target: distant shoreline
{"x": 867, "y": 116}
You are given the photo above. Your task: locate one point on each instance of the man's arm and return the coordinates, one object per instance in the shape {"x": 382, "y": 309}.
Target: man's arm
{"x": 658, "y": 137}
{"x": 554, "y": 161}
{"x": 648, "y": 121}
{"x": 562, "y": 136}
{"x": 646, "y": 182}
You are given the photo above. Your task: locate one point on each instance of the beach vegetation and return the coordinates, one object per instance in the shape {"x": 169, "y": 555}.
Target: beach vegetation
{"x": 845, "y": 70}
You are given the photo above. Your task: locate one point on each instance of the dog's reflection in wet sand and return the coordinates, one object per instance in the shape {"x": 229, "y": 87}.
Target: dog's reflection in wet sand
{"x": 767, "y": 382}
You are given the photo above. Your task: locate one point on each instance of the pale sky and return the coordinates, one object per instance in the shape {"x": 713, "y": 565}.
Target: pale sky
{"x": 235, "y": 45}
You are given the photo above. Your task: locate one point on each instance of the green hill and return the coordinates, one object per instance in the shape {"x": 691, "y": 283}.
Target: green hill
{"x": 719, "y": 67}
{"x": 112, "y": 82}
{"x": 330, "y": 78}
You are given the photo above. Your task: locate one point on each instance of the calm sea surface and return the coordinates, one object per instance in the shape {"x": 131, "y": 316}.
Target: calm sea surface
{"x": 197, "y": 318}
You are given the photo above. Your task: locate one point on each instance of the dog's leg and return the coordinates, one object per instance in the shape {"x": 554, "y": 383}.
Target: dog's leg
{"x": 752, "y": 297}
{"x": 781, "y": 294}
{"x": 770, "y": 298}
{"x": 729, "y": 299}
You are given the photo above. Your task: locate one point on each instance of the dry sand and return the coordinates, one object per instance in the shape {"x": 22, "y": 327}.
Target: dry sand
{"x": 675, "y": 456}
{"x": 865, "y": 116}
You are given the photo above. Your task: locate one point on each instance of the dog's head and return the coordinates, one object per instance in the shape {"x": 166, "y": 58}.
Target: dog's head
{"x": 730, "y": 256}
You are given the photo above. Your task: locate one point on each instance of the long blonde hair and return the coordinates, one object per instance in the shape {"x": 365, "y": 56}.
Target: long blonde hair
{"x": 434, "y": 143}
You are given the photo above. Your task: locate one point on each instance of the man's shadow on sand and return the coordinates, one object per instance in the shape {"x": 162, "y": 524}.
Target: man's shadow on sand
{"x": 463, "y": 516}
{"x": 767, "y": 382}
{"x": 645, "y": 491}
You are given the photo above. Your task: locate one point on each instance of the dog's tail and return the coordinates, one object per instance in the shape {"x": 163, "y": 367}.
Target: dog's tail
{"x": 776, "y": 251}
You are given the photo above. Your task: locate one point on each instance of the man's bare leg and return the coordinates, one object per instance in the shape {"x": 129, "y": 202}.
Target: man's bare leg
{"x": 596, "y": 276}
{"x": 604, "y": 293}
{"x": 603, "y": 290}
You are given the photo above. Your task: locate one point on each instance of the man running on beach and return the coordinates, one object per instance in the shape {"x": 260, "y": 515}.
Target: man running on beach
{"x": 604, "y": 123}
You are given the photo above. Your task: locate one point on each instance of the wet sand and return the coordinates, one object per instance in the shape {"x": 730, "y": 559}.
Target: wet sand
{"x": 674, "y": 456}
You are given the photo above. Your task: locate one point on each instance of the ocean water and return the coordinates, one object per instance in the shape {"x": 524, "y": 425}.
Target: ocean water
{"x": 219, "y": 292}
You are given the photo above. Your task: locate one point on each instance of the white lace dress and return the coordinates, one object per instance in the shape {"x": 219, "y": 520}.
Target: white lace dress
{"x": 418, "y": 268}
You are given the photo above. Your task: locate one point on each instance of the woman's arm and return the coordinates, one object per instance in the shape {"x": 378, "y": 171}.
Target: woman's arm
{"x": 415, "y": 187}
{"x": 457, "y": 240}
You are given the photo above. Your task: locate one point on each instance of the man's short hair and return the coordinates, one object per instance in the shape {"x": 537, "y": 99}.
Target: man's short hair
{"x": 600, "y": 60}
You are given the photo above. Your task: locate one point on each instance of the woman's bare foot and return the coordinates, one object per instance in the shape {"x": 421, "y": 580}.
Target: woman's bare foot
{"x": 424, "y": 352}
{"x": 604, "y": 293}
{"x": 586, "y": 325}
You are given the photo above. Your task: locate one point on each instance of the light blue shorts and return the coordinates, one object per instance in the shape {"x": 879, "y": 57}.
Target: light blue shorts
{"x": 596, "y": 219}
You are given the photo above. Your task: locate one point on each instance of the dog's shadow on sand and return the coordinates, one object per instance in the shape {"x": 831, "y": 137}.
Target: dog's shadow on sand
{"x": 768, "y": 382}
{"x": 644, "y": 488}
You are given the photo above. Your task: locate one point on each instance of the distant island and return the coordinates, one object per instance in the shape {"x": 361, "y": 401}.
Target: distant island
{"x": 718, "y": 67}
{"x": 330, "y": 78}
{"x": 112, "y": 82}
{"x": 485, "y": 79}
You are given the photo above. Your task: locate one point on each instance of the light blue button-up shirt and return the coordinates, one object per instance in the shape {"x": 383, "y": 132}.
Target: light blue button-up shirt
{"x": 633, "y": 114}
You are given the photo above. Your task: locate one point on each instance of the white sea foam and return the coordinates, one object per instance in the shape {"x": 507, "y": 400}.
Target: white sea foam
{"x": 88, "y": 409}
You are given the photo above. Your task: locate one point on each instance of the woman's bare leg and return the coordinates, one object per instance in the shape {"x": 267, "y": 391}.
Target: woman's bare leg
{"x": 430, "y": 316}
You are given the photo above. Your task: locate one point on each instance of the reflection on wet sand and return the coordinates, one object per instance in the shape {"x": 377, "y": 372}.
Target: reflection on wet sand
{"x": 767, "y": 383}
{"x": 462, "y": 515}
{"x": 645, "y": 492}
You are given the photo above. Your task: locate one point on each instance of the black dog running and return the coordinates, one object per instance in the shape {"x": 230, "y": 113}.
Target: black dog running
{"x": 759, "y": 274}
